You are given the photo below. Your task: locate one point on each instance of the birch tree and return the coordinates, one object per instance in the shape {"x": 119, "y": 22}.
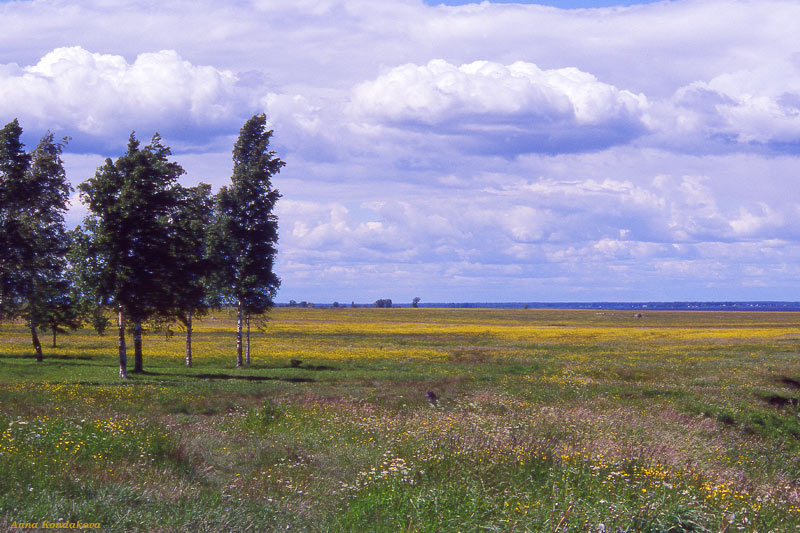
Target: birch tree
{"x": 244, "y": 235}
{"x": 34, "y": 193}
{"x": 127, "y": 237}
{"x": 189, "y": 288}
{"x": 47, "y": 296}
{"x": 14, "y": 163}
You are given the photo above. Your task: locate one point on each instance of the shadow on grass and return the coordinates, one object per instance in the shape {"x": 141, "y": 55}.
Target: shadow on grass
{"x": 225, "y": 377}
{"x": 292, "y": 364}
{"x": 254, "y": 378}
{"x": 790, "y": 382}
{"x": 777, "y": 400}
{"x": 310, "y": 367}
{"x": 60, "y": 357}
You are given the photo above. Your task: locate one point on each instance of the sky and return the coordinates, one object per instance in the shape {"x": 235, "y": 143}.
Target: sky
{"x": 563, "y": 4}
{"x": 635, "y": 151}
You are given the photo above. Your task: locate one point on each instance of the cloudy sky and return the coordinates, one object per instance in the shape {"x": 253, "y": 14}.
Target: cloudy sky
{"x": 455, "y": 151}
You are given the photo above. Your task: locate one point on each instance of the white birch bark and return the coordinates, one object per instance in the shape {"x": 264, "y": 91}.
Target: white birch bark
{"x": 239, "y": 334}
{"x": 123, "y": 356}
{"x": 189, "y": 340}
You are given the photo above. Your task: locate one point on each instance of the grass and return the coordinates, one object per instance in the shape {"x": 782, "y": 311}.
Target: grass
{"x": 539, "y": 421}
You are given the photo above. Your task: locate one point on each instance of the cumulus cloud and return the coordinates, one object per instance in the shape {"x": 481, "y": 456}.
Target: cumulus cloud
{"x": 544, "y": 225}
{"x": 102, "y": 95}
{"x": 755, "y": 107}
{"x": 488, "y": 151}
{"x": 514, "y": 108}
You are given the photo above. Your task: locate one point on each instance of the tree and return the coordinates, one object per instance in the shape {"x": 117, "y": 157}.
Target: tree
{"x": 127, "y": 248}
{"x": 85, "y": 276}
{"x": 14, "y": 163}
{"x": 415, "y": 302}
{"x": 190, "y": 271}
{"x": 34, "y": 195}
{"x": 63, "y": 314}
{"x": 49, "y": 302}
{"x": 244, "y": 234}
{"x": 383, "y": 302}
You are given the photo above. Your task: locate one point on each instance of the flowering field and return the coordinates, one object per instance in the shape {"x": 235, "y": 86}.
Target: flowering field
{"x": 414, "y": 420}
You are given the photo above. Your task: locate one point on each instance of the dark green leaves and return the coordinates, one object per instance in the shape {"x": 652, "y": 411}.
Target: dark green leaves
{"x": 131, "y": 203}
{"x": 244, "y": 236}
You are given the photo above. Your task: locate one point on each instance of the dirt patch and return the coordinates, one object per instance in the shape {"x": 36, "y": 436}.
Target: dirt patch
{"x": 791, "y": 382}
{"x": 776, "y": 400}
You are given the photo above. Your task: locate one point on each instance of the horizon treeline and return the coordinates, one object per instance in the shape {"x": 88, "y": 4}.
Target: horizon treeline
{"x": 153, "y": 252}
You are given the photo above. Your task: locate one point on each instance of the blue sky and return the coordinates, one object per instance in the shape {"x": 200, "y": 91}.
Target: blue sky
{"x": 480, "y": 152}
{"x": 561, "y": 4}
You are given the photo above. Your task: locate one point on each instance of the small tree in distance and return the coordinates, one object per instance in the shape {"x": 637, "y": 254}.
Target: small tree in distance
{"x": 415, "y": 302}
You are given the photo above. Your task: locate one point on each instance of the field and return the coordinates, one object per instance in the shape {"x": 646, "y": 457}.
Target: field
{"x": 413, "y": 420}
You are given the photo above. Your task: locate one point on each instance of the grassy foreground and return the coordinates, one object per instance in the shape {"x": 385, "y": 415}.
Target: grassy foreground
{"x": 538, "y": 421}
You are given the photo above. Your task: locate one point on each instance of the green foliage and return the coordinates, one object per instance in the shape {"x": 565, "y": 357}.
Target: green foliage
{"x": 128, "y": 232}
{"x": 261, "y": 420}
{"x": 188, "y": 286}
{"x": 124, "y": 254}
{"x": 34, "y": 193}
{"x": 14, "y": 198}
{"x": 244, "y": 234}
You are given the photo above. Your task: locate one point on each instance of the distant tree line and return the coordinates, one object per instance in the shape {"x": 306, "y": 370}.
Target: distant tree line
{"x": 149, "y": 249}
{"x": 381, "y": 303}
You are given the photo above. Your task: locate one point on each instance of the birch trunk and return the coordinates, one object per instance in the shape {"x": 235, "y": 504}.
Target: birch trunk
{"x": 138, "y": 366}
{"x": 123, "y": 356}
{"x": 35, "y": 341}
{"x": 189, "y": 339}
{"x": 247, "y": 344}
{"x": 239, "y": 334}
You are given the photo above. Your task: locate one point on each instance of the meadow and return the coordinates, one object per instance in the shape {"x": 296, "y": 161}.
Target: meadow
{"x": 413, "y": 420}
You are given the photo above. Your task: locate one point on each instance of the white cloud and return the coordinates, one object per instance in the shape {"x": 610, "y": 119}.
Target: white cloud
{"x": 479, "y": 152}
{"x": 102, "y": 95}
{"x": 766, "y": 222}
{"x": 758, "y": 106}
{"x": 515, "y": 108}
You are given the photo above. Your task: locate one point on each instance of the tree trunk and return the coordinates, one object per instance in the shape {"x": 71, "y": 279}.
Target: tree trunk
{"x": 35, "y": 340}
{"x": 239, "y": 334}
{"x": 247, "y": 343}
{"x": 123, "y": 356}
{"x": 55, "y": 330}
{"x": 138, "y": 367}
{"x": 189, "y": 339}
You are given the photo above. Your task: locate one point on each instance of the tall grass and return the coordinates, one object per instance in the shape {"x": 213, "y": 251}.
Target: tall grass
{"x": 538, "y": 421}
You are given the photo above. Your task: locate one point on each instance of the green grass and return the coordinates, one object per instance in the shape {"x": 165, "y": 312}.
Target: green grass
{"x": 543, "y": 421}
